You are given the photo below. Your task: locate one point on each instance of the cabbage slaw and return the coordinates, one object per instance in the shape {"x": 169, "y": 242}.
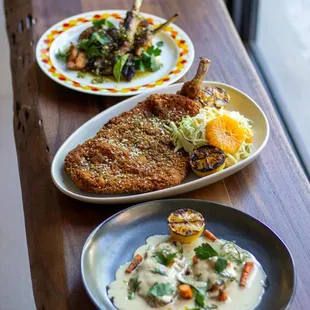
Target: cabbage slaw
{"x": 191, "y": 132}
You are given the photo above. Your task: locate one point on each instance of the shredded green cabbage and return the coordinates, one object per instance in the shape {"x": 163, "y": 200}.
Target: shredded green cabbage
{"x": 190, "y": 134}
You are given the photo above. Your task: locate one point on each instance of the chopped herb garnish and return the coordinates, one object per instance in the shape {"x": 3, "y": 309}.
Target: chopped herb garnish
{"x": 81, "y": 74}
{"x": 231, "y": 252}
{"x": 205, "y": 251}
{"x": 160, "y": 43}
{"x": 103, "y": 22}
{"x": 165, "y": 258}
{"x": 161, "y": 289}
{"x": 118, "y": 67}
{"x": 63, "y": 55}
{"x": 134, "y": 285}
{"x": 159, "y": 271}
{"x": 220, "y": 264}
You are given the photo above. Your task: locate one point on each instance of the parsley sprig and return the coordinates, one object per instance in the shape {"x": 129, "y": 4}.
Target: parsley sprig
{"x": 148, "y": 60}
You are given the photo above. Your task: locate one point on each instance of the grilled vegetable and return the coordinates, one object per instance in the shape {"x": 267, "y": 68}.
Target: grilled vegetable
{"x": 185, "y": 291}
{"x": 134, "y": 263}
{"x": 214, "y": 97}
{"x": 207, "y": 159}
{"x": 186, "y": 225}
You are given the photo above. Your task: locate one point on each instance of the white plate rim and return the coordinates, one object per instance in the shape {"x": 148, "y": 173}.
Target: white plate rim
{"x": 119, "y": 93}
{"x": 167, "y": 192}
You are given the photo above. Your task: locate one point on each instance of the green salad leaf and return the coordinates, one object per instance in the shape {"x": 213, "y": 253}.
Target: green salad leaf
{"x": 161, "y": 289}
{"x": 118, "y": 67}
{"x": 103, "y": 22}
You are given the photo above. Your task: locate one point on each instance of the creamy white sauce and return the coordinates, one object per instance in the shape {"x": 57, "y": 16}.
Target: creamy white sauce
{"x": 246, "y": 298}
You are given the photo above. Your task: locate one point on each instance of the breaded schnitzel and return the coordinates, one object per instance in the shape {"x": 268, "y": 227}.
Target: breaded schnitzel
{"x": 133, "y": 152}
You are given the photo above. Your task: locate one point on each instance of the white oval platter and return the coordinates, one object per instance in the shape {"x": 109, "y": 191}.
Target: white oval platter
{"x": 239, "y": 102}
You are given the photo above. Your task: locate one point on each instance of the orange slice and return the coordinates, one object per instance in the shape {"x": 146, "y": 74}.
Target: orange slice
{"x": 225, "y": 133}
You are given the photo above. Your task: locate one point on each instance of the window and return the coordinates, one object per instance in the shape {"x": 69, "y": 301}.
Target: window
{"x": 277, "y": 34}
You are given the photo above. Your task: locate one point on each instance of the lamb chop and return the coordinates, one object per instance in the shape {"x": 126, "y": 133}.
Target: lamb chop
{"x": 133, "y": 151}
{"x": 129, "y": 26}
{"x": 144, "y": 36}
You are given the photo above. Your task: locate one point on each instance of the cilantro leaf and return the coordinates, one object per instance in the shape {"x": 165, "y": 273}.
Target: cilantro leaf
{"x": 164, "y": 258}
{"x": 134, "y": 285}
{"x": 220, "y": 264}
{"x": 160, "y": 43}
{"x": 118, "y": 67}
{"x": 103, "y": 22}
{"x": 154, "y": 51}
{"x": 161, "y": 289}
{"x": 139, "y": 64}
{"x": 205, "y": 251}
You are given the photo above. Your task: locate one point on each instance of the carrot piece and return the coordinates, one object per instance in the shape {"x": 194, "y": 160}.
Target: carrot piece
{"x": 185, "y": 291}
{"x": 222, "y": 296}
{"x": 208, "y": 234}
{"x": 248, "y": 266}
{"x": 134, "y": 263}
{"x": 195, "y": 259}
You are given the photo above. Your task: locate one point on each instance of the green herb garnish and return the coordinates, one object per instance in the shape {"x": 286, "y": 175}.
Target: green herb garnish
{"x": 134, "y": 285}
{"x": 81, "y": 75}
{"x": 158, "y": 271}
{"x": 164, "y": 258}
{"x": 161, "y": 289}
{"x": 231, "y": 252}
{"x": 118, "y": 67}
{"x": 220, "y": 264}
{"x": 100, "y": 38}
{"x": 103, "y": 22}
{"x": 63, "y": 55}
{"x": 200, "y": 298}
{"x": 160, "y": 43}
{"x": 205, "y": 251}
{"x": 90, "y": 48}
{"x": 154, "y": 51}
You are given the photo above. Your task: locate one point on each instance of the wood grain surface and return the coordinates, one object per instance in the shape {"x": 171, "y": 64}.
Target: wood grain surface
{"x": 273, "y": 188}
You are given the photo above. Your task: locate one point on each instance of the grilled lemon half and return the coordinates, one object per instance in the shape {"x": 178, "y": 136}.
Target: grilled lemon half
{"x": 186, "y": 225}
{"x": 207, "y": 159}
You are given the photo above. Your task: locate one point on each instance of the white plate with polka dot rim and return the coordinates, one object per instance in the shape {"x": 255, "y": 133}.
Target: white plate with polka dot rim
{"x": 239, "y": 101}
{"x": 176, "y": 57}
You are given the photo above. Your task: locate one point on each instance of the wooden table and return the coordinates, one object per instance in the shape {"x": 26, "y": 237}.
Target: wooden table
{"x": 274, "y": 188}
